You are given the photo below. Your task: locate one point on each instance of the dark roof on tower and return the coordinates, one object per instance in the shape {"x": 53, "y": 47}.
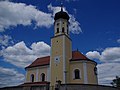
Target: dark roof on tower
{"x": 43, "y": 61}
{"x": 61, "y": 14}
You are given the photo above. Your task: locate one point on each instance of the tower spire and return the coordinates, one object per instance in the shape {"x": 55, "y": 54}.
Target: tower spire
{"x": 61, "y": 6}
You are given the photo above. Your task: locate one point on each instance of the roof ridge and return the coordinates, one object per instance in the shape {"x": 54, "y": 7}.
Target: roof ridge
{"x": 43, "y": 57}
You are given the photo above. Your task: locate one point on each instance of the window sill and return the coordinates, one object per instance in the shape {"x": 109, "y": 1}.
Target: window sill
{"x": 76, "y": 78}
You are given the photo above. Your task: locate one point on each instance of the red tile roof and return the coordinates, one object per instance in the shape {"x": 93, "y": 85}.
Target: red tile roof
{"x": 40, "y": 62}
{"x": 76, "y": 55}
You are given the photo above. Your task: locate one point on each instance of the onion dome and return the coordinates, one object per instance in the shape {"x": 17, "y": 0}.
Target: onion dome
{"x": 61, "y": 14}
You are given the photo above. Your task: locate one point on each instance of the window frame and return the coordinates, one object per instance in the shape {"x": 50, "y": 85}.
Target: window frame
{"x": 42, "y": 77}
{"x": 32, "y": 78}
{"x": 77, "y": 75}
{"x": 57, "y": 30}
{"x": 63, "y": 30}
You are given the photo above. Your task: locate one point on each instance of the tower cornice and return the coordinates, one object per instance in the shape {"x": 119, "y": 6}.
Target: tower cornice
{"x": 61, "y": 35}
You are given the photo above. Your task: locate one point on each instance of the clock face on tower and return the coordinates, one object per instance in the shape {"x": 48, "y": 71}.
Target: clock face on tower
{"x": 57, "y": 59}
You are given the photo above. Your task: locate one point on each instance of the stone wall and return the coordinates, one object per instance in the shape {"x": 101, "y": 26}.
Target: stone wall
{"x": 12, "y": 88}
{"x": 63, "y": 87}
{"x": 26, "y": 88}
{"x": 86, "y": 87}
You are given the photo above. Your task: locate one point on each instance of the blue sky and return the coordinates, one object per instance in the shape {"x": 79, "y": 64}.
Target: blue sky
{"x": 26, "y": 27}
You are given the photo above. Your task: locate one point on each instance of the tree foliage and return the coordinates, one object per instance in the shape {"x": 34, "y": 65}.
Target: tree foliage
{"x": 116, "y": 82}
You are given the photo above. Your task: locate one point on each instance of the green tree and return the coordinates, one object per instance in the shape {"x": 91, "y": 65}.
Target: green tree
{"x": 116, "y": 82}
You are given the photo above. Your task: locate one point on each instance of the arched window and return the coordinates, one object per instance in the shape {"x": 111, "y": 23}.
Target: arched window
{"x": 57, "y": 24}
{"x": 42, "y": 77}
{"x": 32, "y": 77}
{"x": 77, "y": 74}
{"x": 63, "y": 30}
{"x": 57, "y": 30}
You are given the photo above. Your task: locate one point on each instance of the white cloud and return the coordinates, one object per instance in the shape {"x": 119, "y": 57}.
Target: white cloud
{"x": 110, "y": 68}
{"x": 118, "y": 40}
{"x": 10, "y": 77}
{"x": 13, "y": 14}
{"x": 107, "y": 72}
{"x": 54, "y": 9}
{"x": 40, "y": 48}
{"x": 74, "y": 26}
{"x": 20, "y": 55}
{"x": 111, "y": 54}
{"x": 93, "y": 55}
{"x": 5, "y": 40}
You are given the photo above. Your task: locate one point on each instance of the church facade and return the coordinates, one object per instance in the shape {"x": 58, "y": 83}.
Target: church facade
{"x": 63, "y": 64}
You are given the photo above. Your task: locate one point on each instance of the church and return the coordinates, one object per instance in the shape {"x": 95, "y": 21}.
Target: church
{"x": 63, "y": 64}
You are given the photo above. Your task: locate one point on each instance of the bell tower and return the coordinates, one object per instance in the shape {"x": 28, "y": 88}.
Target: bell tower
{"x": 61, "y": 49}
{"x": 61, "y": 23}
